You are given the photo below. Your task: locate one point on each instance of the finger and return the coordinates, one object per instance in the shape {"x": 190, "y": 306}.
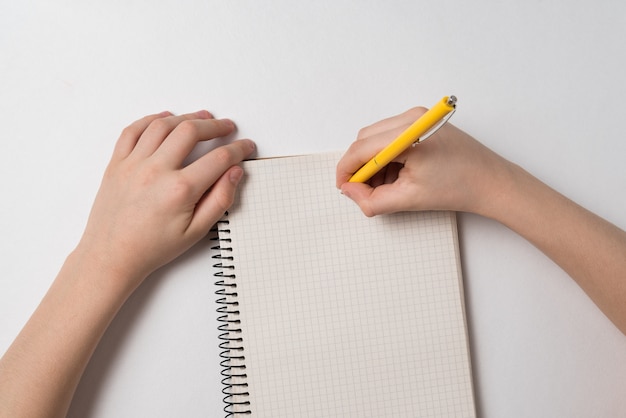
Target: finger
{"x": 357, "y": 154}
{"x": 393, "y": 122}
{"x": 156, "y": 132}
{"x": 205, "y": 171}
{"x": 130, "y": 135}
{"x": 213, "y": 204}
{"x": 373, "y": 201}
{"x": 364, "y": 150}
{"x": 181, "y": 141}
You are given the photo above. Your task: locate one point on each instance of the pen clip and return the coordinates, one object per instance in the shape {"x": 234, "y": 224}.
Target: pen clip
{"x": 435, "y": 128}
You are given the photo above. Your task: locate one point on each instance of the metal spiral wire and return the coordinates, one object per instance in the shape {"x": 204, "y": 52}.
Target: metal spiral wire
{"x": 231, "y": 343}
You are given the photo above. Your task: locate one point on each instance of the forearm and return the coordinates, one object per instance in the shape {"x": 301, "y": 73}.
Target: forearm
{"x": 591, "y": 250}
{"x": 151, "y": 207}
{"x": 40, "y": 371}
{"x": 455, "y": 172}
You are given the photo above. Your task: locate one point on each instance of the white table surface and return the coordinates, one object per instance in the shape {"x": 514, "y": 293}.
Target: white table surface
{"x": 542, "y": 83}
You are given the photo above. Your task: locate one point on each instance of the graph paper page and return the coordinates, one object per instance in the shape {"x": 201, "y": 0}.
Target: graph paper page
{"x": 344, "y": 315}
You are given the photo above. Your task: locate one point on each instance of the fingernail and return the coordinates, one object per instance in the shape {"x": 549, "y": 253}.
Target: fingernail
{"x": 228, "y": 123}
{"x": 204, "y": 114}
{"x": 235, "y": 175}
{"x": 165, "y": 113}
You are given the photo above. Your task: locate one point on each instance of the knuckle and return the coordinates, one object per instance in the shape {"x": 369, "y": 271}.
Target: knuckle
{"x": 224, "y": 154}
{"x": 363, "y": 132}
{"x": 416, "y": 112}
{"x": 146, "y": 176}
{"x": 181, "y": 188}
{"x": 130, "y": 131}
{"x": 188, "y": 128}
{"x": 368, "y": 211}
{"x": 353, "y": 147}
{"x": 159, "y": 125}
{"x": 223, "y": 199}
{"x": 366, "y": 131}
{"x": 368, "y": 207}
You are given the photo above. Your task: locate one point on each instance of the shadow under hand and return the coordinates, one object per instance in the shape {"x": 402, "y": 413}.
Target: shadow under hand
{"x": 101, "y": 370}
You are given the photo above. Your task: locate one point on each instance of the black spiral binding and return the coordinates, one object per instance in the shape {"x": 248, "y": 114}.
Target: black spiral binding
{"x": 233, "y": 359}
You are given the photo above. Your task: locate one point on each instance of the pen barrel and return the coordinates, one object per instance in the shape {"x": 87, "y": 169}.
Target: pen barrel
{"x": 366, "y": 172}
{"x": 422, "y": 125}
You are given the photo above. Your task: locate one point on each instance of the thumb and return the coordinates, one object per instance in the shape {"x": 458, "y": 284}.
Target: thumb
{"x": 374, "y": 200}
{"x": 214, "y": 203}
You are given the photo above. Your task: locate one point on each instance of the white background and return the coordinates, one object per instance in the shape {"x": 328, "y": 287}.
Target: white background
{"x": 542, "y": 83}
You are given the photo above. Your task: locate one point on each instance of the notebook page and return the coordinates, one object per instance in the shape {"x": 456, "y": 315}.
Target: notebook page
{"x": 344, "y": 315}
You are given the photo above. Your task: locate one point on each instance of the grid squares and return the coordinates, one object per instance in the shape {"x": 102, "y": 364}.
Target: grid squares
{"x": 344, "y": 315}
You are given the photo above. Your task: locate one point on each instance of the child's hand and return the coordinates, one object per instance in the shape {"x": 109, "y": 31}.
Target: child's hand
{"x": 150, "y": 208}
{"x": 449, "y": 171}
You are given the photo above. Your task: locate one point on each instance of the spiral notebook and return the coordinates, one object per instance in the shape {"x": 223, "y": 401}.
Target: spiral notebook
{"x": 325, "y": 312}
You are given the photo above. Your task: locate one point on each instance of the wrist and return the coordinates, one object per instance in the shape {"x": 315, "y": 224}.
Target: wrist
{"x": 61, "y": 335}
{"x": 516, "y": 198}
{"x": 502, "y": 191}
{"x": 93, "y": 266}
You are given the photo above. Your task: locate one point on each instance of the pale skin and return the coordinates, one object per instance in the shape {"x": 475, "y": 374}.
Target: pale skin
{"x": 453, "y": 171}
{"x": 149, "y": 204}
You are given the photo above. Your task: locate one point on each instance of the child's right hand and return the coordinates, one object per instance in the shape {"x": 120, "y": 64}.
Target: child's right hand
{"x": 449, "y": 171}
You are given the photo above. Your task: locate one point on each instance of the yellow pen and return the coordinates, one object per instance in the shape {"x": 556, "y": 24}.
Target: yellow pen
{"x": 412, "y": 135}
